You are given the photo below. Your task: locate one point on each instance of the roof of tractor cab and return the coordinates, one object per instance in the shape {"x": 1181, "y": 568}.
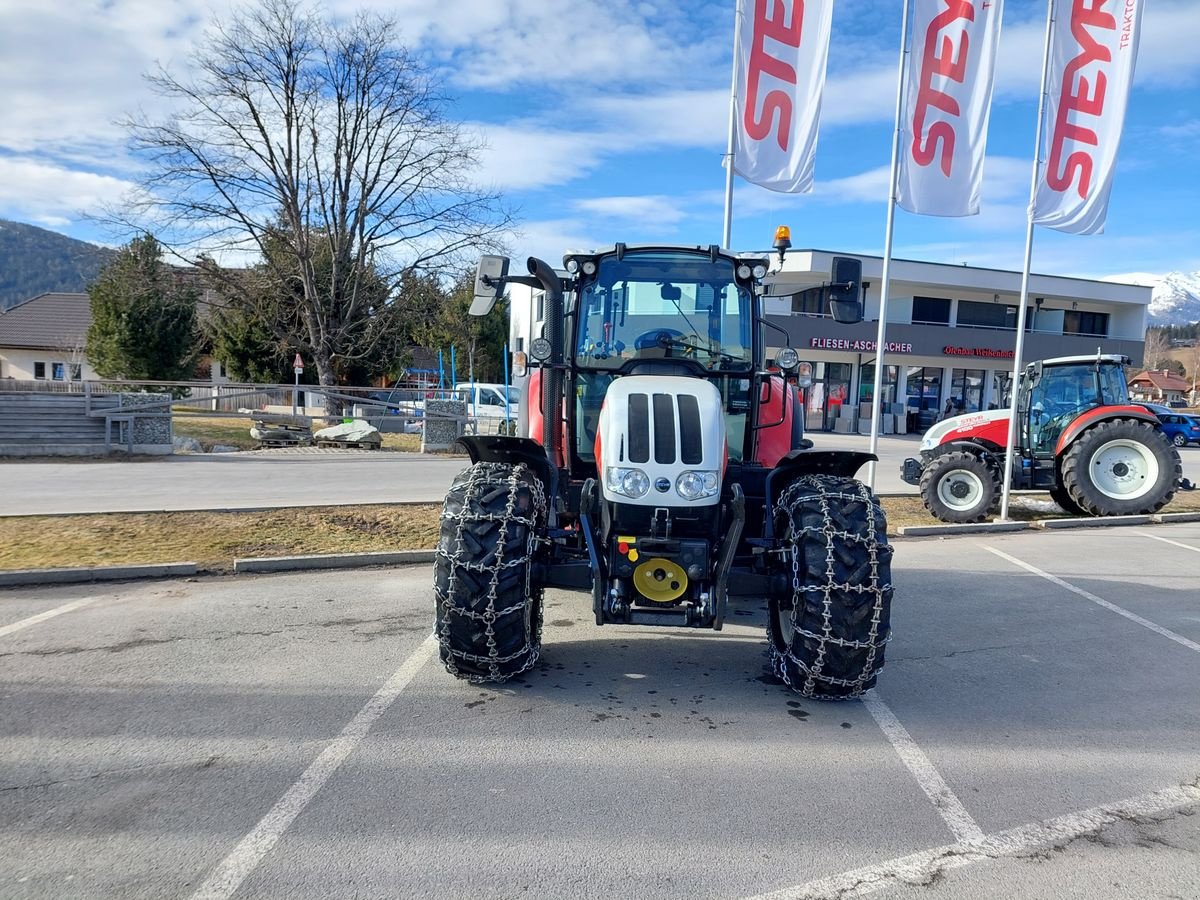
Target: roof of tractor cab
{"x": 688, "y": 248}
{"x": 1090, "y": 358}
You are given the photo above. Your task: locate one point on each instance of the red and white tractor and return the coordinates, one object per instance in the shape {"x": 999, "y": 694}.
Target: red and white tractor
{"x": 1078, "y": 437}
{"x": 661, "y": 468}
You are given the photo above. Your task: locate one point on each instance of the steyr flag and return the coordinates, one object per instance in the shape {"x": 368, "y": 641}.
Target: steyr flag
{"x": 948, "y": 97}
{"x": 1092, "y": 54}
{"x": 780, "y": 60}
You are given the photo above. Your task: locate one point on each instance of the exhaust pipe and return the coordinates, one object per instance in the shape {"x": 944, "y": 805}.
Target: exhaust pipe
{"x": 552, "y": 377}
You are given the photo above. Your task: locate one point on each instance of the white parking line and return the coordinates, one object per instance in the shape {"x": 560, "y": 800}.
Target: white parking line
{"x": 245, "y": 857}
{"x": 919, "y": 868}
{"x": 1155, "y": 537}
{"x": 48, "y": 614}
{"x": 1087, "y": 595}
{"x": 949, "y": 807}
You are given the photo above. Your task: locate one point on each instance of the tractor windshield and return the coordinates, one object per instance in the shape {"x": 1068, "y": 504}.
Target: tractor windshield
{"x": 664, "y": 304}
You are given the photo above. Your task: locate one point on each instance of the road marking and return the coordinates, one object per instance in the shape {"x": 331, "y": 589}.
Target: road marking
{"x": 1155, "y": 537}
{"x": 921, "y": 867}
{"x": 1087, "y": 595}
{"x": 949, "y": 807}
{"x": 48, "y": 614}
{"x": 245, "y": 857}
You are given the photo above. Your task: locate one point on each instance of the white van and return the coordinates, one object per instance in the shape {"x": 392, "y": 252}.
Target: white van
{"x": 486, "y": 401}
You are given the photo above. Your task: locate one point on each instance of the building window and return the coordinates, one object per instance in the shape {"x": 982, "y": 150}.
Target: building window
{"x": 59, "y": 371}
{"x": 931, "y": 311}
{"x": 76, "y": 372}
{"x": 811, "y": 302}
{"x": 1092, "y": 324}
{"x": 39, "y": 371}
{"x": 924, "y": 394}
{"x": 986, "y": 315}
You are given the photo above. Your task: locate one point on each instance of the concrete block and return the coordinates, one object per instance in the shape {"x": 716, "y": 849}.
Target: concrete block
{"x": 843, "y": 426}
{"x": 1094, "y": 522}
{"x": 1168, "y": 518}
{"x": 887, "y": 425}
{"x": 76, "y": 575}
{"x": 947, "y": 528}
{"x": 332, "y": 561}
{"x": 901, "y": 424}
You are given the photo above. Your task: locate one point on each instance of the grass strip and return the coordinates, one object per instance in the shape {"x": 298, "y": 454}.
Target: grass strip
{"x": 214, "y": 539}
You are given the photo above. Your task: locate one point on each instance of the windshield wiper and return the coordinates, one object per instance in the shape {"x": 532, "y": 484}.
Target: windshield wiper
{"x": 667, "y": 340}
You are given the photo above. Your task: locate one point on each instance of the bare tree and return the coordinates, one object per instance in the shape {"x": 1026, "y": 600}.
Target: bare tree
{"x": 1157, "y": 346}
{"x": 325, "y": 151}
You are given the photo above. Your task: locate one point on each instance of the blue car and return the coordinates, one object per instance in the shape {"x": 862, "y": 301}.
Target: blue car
{"x": 1181, "y": 428}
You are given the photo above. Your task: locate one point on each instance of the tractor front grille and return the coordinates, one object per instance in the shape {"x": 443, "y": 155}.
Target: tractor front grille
{"x": 658, "y": 433}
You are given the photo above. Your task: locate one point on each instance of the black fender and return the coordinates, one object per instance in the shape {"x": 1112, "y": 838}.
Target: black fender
{"x": 842, "y": 463}
{"x": 502, "y": 448}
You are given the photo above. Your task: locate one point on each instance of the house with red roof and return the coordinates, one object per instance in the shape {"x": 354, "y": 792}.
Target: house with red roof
{"x": 1159, "y": 386}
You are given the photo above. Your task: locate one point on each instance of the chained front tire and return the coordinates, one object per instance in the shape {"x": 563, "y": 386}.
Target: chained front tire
{"x": 828, "y": 631}
{"x": 489, "y": 611}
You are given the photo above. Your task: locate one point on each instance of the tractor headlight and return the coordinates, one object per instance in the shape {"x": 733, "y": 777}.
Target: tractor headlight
{"x": 632, "y": 483}
{"x": 696, "y": 485}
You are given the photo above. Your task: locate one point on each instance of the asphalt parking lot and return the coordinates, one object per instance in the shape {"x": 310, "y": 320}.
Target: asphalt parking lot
{"x": 1035, "y": 733}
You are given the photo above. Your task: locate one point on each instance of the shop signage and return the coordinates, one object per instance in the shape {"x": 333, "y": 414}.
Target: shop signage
{"x": 820, "y": 343}
{"x": 986, "y": 352}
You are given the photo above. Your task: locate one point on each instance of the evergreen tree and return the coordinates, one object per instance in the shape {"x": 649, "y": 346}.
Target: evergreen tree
{"x": 143, "y": 317}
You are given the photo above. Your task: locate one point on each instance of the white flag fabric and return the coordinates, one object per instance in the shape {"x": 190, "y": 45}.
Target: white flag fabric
{"x": 948, "y": 98}
{"x": 1092, "y": 55}
{"x": 780, "y": 60}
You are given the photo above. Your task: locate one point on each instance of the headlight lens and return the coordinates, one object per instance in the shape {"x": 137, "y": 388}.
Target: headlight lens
{"x": 589, "y": 267}
{"x": 787, "y": 358}
{"x": 760, "y": 271}
{"x": 696, "y": 485}
{"x": 632, "y": 483}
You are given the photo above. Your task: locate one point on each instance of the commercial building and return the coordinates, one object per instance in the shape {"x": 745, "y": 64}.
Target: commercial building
{"x": 951, "y": 333}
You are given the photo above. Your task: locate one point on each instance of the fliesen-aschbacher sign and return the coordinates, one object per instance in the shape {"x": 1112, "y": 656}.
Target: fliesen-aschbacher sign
{"x": 821, "y": 343}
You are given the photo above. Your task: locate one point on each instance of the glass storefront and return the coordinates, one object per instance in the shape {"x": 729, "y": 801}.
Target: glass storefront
{"x": 924, "y": 396}
{"x": 824, "y": 400}
{"x": 866, "y": 383}
{"x": 966, "y": 390}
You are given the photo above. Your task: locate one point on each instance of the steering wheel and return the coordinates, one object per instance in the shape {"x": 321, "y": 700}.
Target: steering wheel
{"x": 659, "y": 337}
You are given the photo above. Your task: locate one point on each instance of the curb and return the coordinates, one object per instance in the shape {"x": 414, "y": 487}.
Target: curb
{"x": 332, "y": 561}
{"x": 1099, "y": 522}
{"x": 15, "y": 577}
{"x": 971, "y": 528}
{"x": 217, "y": 509}
{"x": 1168, "y": 518}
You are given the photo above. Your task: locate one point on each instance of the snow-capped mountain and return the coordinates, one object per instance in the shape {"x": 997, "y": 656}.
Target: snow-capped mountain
{"x": 1176, "y": 297}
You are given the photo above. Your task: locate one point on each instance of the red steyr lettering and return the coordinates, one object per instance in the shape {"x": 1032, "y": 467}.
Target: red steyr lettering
{"x": 941, "y": 58}
{"x": 1076, "y": 97}
{"x": 786, "y": 31}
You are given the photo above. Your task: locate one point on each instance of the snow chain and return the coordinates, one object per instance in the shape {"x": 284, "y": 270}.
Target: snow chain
{"x": 485, "y": 477}
{"x": 823, "y": 585}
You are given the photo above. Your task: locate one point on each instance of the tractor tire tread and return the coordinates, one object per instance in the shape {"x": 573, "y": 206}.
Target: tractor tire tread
{"x": 1082, "y": 490}
{"x": 488, "y": 617}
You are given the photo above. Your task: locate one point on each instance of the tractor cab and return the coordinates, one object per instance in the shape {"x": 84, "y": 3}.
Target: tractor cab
{"x": 1055, "y": 392}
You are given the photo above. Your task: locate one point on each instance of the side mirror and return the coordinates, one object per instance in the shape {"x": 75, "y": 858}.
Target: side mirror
{"x": 846, "y": 284}
{"x": 489, "y": 283}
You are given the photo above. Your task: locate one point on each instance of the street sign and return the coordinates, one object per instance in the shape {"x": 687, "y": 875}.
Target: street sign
{"x": 298, "y": 365}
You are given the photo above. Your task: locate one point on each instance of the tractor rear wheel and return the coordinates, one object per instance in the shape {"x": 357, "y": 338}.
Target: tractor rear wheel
{"x": 1121, "y": 467}
{"x": 958, "y": 487}
{"x": 489, "y": 612}
{"x": 827, "y": 632}
{"x": 1060, "y": 496}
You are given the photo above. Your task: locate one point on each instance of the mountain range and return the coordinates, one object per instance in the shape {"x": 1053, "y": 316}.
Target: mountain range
{"x": 34, "y": 261}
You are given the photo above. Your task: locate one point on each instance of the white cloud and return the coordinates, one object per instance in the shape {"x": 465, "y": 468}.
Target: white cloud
{"x": 40, "y": 191}
{"x": 647, "y": 210}
{"x": 520, "y": 155}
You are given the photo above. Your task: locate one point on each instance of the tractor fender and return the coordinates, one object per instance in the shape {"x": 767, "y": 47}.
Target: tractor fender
{"x": 838, "y": 463}
{"x": 512, "y": 450}
{"x": 1100, "y": 414}
{"x": 981, "y": 448}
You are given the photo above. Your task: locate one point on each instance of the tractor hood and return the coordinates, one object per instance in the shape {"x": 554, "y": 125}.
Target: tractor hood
{"x": 990, "y": 426}
{"x": 660, "y": 441}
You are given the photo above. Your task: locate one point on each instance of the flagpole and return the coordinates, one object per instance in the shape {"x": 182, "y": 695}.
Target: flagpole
{"x": 885, "y": 288}
{"x": 1006, "y": 484}
{"x": 727, "y": 229}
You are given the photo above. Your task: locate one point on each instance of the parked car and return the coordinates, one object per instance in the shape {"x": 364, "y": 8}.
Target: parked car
{"x": 1181, "y": 428}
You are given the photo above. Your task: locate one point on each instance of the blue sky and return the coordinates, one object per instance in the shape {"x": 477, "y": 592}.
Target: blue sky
{"x": 606, "y": 120}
